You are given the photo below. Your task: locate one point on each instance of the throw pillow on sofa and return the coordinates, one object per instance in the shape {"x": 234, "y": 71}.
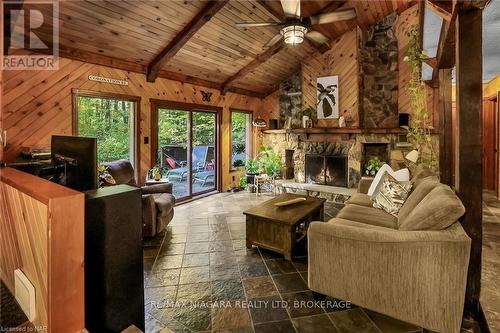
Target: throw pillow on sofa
{"x": 391, "y": 194}
{"x": 402, "y": 175}
{"x": 436, "y": 211}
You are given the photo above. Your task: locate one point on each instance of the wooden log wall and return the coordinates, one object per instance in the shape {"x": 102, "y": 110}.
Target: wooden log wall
{"x": 41, "y": 233}
{"x": 38, "y": 104}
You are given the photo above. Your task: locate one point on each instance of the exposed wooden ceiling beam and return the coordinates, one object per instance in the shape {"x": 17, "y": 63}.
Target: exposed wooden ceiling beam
{"x": 102, "y": 60}
{"x": 204, "y": 15}
{"x": 252, "y": 65}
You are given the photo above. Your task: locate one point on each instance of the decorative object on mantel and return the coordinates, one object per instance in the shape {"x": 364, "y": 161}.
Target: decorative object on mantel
{"x": 308, "y": 116}
{"x": 206, "y": 96}
{"x": 327, "y": 93}
{"x": 419, "y": 133}
{"x": 342, "y": 121}
{"x": 103, "y": 79}
{"x": 259, "y": 122}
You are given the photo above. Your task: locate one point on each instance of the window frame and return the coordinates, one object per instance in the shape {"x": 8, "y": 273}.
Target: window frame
{"x": 76, "y": 93}
{"x": 249, "y": 135}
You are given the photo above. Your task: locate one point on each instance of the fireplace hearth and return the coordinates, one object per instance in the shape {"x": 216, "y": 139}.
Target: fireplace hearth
{"x": 326, "y": 170}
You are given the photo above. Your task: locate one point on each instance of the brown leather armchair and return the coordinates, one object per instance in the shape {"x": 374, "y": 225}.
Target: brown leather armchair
{"x": 157, "y": 200}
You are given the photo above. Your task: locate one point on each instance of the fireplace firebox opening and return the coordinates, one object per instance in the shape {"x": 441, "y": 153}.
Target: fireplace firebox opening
{"x": 326, "y": 170}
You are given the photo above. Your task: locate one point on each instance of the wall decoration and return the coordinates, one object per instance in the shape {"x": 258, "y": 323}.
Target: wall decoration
{"x": 206, "y": 96}
{"x": 108, "y": 80}
{"x": 327, "y": 91}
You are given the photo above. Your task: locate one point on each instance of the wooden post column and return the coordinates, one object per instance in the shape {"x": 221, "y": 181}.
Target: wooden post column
{"x": 445, "y": 126}
{"x": 469, "y": 143}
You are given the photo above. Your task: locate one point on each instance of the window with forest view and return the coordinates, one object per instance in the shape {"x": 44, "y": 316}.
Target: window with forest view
{"x": 111, "y": 121}
{"x": 240, "y": 138}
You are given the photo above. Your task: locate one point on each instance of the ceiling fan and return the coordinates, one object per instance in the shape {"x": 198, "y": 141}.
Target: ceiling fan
{"x": 295, "y": 27}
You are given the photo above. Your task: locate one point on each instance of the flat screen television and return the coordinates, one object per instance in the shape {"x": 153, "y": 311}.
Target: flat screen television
{"x": 78, "y": 157}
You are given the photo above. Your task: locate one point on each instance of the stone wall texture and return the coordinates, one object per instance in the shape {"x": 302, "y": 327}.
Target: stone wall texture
{"x": 378, "y": 72}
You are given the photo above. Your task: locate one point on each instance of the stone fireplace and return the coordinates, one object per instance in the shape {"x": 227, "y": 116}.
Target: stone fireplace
{"x": 333, "y": 160}
{"x": 326, "y": 170}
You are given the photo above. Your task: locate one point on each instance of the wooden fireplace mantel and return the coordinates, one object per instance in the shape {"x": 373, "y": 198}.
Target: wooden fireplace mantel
{"x": 336, "y": 130}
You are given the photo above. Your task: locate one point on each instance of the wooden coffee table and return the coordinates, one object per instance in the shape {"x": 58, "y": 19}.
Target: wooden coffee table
{"x": 280, "y": 228}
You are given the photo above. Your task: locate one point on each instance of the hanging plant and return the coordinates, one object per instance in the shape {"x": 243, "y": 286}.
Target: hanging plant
{"x": 419, "y": 134}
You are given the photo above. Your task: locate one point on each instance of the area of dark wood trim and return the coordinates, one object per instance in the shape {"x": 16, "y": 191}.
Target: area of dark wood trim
{"x": 102, "y": 60}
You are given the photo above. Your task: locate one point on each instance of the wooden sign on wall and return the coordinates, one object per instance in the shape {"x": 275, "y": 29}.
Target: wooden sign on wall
{"x": 108, "y": 80}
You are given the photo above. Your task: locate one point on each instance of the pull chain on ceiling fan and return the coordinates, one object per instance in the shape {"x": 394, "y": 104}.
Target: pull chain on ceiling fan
{"x": 296, "y": 28}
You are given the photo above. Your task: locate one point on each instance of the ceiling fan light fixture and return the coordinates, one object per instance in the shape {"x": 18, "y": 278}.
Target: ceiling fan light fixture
{"x": 294, "y": 34}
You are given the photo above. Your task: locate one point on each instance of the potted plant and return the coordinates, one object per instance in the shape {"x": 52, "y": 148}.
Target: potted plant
{"x": 252, "y": 168}
{"x": 156, "y": 172}
{"x": 373, "y": 166}
{"x": 270, "y": 161}
{"x": 243, "y": 183}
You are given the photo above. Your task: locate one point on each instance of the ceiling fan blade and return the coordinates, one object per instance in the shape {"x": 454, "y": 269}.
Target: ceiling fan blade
{"x": 274, "y": 40}
{"x": 291, "y": 8}
{"x": 339, "y": 15}
{"x": 317, "y": 37}
{"x": 256, "y": 24}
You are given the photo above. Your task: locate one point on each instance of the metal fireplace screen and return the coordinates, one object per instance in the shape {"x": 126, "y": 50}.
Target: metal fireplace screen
{"x": 326, "y": 170}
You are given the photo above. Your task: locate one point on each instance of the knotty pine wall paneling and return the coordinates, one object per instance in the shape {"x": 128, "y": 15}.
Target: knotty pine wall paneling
{"x": 38, "y": 104}
{"x": 341, "y": 60}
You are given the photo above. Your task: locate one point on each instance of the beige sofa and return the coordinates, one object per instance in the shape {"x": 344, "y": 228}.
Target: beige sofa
{"x": 413, "y": 268}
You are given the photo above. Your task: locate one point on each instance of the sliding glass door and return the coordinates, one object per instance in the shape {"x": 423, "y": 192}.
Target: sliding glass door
{"x": 186, "y": 148}
{"x": 203, "y": 156}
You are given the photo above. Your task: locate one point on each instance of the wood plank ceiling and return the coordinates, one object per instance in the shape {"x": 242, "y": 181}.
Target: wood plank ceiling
{"x": 130, "y": 34}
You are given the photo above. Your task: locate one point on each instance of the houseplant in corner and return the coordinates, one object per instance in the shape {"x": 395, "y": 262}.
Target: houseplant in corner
{"x": 270, "y": 161}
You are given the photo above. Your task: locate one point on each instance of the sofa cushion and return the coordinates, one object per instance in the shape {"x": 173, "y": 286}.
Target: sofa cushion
{"x": 165, "y": 203}
{"x": 420, "y": 189}
{"x": 368, "y": 215}
{"x": 355, "y": 224}
{"x": 421, "y": 171}
{"x": 390, "y": 194}
{"x": 400, "y": 175}
{"x": 360, "y": 199}
{"x": 436, "y": 211}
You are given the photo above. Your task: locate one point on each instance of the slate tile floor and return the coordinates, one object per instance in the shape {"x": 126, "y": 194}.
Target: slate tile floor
{"x": 202, "y": 258}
